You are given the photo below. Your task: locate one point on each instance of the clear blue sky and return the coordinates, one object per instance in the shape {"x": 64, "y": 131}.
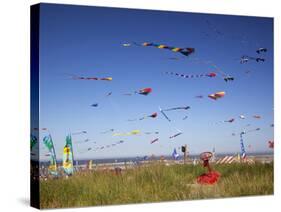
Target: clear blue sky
{"x": 87, "y": 41}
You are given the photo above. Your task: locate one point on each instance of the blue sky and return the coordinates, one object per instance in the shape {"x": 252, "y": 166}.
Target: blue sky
{"x": 87, "y": 41}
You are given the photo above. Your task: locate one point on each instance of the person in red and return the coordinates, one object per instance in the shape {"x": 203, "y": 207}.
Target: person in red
{"x": 211, "y": 177}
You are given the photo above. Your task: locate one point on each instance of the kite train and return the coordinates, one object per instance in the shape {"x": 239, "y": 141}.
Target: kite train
{"x": 185, "y": 51}
{"x": 210, "y": 75}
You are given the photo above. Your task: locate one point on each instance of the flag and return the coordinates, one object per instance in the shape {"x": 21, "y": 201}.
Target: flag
{"x": 175, "y": 154}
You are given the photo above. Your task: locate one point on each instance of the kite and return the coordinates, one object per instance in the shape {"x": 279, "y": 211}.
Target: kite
{"x": 90, "y": 78}
{"x": 79, "y": 132}
{"x": 242, "y": 117}
{"x": 95, "y": 105}
{"x": 126, "y": 44}
{"x": 164, "y": 114}
{"x": 257, "y": 116}
{"x": 260, "y": 50}
{"x": 84, "y": 141}
{"x": 175, "y": 135}
{"x": 171, "y": 109}
{"x": 87, "y": 150}
{"x": 228, "y": 78}
{"x": 107, "y": 131}
{"x": 177, "y": 108}
{"x": 217, "y": 95}
{"x": 153, "y": 115}
{"x": 109, "y": 94}
{"x": 271, "y": 144}
{"x": 199, "y": 97}
{"x": 245, "y": 59}
{"x": 272, "y": 125}
{"x": 144, "y": 91}
{"x": 52, "y": 168}
{"x": 154, "y": 140}
{"x": 185, "y": 51}
{"x": 148, "y": 133}
{"x": 210, "y": 75}
{"x": 185, "y": 117}
{"x": 133, "y": 132}
{"x": 68, "y": 157}
{"x": 211, "y": 177}
{"x": 230, "y": 120}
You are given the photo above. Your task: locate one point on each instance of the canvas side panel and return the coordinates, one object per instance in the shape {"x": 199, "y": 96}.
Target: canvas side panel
{"x": 34, "y": 105}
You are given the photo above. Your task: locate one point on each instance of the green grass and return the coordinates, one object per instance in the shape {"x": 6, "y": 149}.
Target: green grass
{"x": 154, "y": 184}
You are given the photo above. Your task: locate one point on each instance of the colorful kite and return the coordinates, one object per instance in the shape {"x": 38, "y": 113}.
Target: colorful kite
{"x": 52, "y": 168}
{"x": 68, "y": 157}
{"x": 144, "y": 91}
{"x": 217, "y": 95}
{"x": 185, "y": 51}
{"x": 210, "y": 75}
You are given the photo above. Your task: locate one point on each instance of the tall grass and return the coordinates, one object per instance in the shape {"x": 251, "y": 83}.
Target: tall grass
{"x": 155, "y": 183}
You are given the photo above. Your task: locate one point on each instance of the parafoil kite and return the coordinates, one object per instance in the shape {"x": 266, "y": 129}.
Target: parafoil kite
{"x": 217, "y": 95}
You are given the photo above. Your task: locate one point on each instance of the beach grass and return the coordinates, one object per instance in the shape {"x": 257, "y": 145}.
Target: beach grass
{"x": 155, "y": 183}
